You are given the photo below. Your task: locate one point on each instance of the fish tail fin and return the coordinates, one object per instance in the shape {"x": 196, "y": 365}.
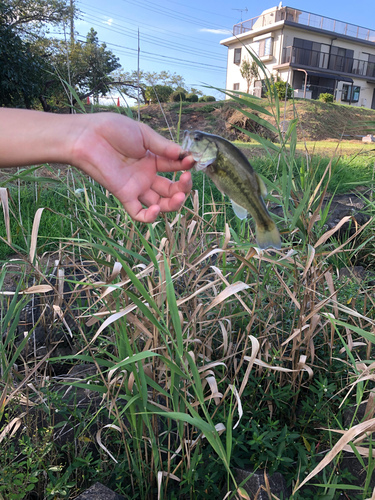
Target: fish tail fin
{"x": 268, "y": 236}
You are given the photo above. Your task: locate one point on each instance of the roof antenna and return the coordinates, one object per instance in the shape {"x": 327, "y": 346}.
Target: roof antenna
{"x": 242, "y": 10}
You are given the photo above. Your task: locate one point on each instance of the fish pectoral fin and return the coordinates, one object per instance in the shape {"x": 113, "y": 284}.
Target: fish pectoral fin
{"x": 239, "y": 211}
{"x": 262, "y": 186}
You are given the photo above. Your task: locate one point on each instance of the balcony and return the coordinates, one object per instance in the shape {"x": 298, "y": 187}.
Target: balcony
{"x": 306, "y": 19}
{"x": 325, "y": 61}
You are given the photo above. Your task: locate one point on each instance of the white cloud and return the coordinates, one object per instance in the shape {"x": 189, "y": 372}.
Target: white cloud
{"x": 109, "y": 22}
{"x": 217, "y": 32}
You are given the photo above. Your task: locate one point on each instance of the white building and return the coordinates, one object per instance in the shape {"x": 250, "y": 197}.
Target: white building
{"x": 315, "y": 54}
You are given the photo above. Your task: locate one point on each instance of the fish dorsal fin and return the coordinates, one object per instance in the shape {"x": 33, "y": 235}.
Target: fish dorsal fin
{"x": 239, "y": 211}
{"x": 262, "y": 186}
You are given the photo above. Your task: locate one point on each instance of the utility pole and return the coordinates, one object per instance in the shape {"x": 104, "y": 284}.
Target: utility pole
{"x": 139, "y": 49}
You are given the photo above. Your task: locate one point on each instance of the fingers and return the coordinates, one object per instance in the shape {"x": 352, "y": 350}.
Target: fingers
{"x": 163, "y": 190}
{"x": 169, "y": 197}
{"x": 167, "y": 188}
{"x": 167, "y": 165}
{"x": 158, "y": 145}
{"x": 147, "y": 215}
{"x": 140, "y": 214}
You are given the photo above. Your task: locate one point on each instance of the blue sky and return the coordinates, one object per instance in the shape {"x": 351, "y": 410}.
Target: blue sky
{"x": 183, "y": 36}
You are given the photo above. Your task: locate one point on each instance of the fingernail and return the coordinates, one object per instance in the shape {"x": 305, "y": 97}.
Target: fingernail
{"x": 183, "y": 154}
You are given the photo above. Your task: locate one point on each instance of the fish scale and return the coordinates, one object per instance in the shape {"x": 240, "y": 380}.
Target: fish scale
{"x": 226, "y": 179}
{"x": 233, "y": 175}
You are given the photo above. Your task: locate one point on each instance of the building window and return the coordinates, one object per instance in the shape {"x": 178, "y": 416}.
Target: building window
{"x": 350, "y": 93}
{"x": 309, "y": 53}
{"x": 236, "y": 86}
{"x": 237, "y": 56}
{"x": 341, "y": 59}
{"x": 263, "y": 47}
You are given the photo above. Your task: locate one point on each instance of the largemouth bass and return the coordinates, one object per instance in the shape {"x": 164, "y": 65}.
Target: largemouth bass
{"x": 233, "y": 175}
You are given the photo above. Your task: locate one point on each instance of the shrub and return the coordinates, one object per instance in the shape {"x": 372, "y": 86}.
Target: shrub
{"x": 192, "y": 97}
{"x": 207, "y": 98}
{"x": 326, "y": 97}
{"x": 280, "y": 87}
{"x": 208, "y": 108}
{"x": 163, "y": 92}
{"x": 177, "y": 96}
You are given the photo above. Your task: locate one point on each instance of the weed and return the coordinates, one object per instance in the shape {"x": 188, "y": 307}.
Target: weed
{"x": 208, "y": 108}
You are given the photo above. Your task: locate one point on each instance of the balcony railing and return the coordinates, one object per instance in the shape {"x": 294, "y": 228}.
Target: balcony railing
{"x": 325, "y": 61}
{"x": 307, "y": 19}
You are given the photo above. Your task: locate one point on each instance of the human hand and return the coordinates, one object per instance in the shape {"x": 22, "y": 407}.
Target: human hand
{"x": 125, "y": 156}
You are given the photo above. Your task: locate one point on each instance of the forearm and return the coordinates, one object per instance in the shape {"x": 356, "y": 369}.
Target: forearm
{"x": 33, "y": 137}
{"x": 122, "y": 155}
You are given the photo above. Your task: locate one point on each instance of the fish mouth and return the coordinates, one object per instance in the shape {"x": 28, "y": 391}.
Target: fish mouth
{"x": 187, "y": 146}
{"x": 192, "y": 144}
{"x": 187, "y": 141}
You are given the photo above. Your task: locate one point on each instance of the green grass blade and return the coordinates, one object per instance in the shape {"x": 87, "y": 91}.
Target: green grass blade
{"x": 173, "y": 309}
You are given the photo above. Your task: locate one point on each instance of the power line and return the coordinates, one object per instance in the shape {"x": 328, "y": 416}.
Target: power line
{"x": 117, "y": 28}
{"x": 150, "y": 27}
{"x": 151, "y": 36}
{"x": 194, "y": 64}
{"x": 174, "y": 14}
{"x": 197, "y": 8}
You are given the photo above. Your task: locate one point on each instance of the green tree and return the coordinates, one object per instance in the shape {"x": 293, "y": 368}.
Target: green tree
{"x": 128, "y": 81}
{"x": 99, "y": 63}
{"x": 21, "y": 68}
{"x": 86, "y": 66}
{"x": 249, "y": 71}
{"x": 163, "y": 93}
{"x": 173, "y": 80}
{"x": 24, "y": 60}
{"x": 32, "y": 17}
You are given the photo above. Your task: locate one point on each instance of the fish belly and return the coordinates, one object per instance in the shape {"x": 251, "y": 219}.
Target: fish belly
{"x": 243, "y": 192}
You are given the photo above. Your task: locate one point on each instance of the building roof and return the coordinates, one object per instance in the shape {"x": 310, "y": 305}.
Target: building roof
{"x": 279, "y": 16}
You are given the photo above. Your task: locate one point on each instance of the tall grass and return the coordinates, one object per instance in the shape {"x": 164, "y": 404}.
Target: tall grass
{"x": 202, "y": 353}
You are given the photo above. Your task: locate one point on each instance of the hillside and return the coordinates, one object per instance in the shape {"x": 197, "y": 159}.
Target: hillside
{"x": 318, "y": 121}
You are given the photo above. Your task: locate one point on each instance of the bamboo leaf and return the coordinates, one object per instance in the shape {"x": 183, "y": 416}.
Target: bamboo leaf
{"x": 261, "y": 121}
{"x": 173, "y": 309}
{"x": 34, "y": 233}
{"x": 5, "y": 204}
{"x": 264, "y": 142}
{"x": 249, "y": 99}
